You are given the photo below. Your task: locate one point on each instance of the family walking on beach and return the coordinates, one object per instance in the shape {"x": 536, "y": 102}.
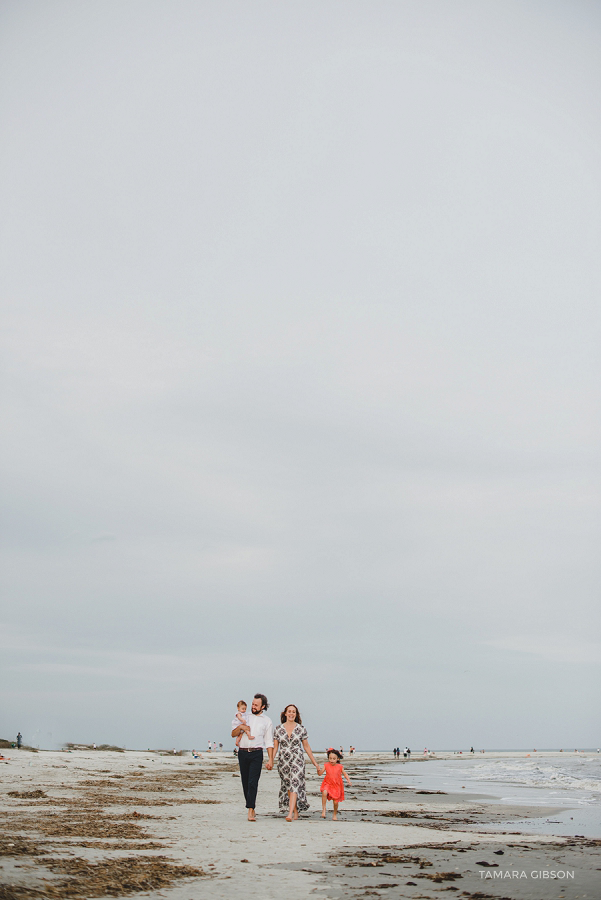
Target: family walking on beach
{"x": 254, "y": 733}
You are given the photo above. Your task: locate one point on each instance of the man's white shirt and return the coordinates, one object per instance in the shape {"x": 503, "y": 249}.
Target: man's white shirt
{"x": 261, "y": 728}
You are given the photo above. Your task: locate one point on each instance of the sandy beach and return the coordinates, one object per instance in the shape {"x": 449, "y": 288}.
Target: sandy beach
{"x": 95, "y": 824}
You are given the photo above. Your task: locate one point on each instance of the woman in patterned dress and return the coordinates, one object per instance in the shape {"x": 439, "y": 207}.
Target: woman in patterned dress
{"x": 290, "y": 742}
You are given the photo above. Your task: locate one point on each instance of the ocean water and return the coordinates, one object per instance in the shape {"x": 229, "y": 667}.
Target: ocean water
{"x": 570, "y": 783}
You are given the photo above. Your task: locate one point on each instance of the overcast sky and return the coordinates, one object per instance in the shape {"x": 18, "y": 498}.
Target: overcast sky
{"x": 301, "y": 358}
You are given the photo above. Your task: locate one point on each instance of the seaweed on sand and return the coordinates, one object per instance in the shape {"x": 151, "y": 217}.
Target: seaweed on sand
{"x": 112, "y": 877}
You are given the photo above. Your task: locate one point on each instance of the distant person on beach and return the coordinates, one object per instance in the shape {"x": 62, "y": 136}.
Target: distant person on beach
{"x": 250, "y": 752}
{"x": 332, "y": 787}
{"x": 291, "y": 741}
{"x": 19, "y": 740}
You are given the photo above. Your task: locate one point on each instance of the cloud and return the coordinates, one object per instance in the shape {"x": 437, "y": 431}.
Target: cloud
{"x": 308, "y": 358}
{"x": 555, "y": 648}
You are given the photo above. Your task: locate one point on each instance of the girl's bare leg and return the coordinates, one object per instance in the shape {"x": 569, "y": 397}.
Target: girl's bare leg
{"x": 335, "y": 816}
{"x": 324, "y": 800}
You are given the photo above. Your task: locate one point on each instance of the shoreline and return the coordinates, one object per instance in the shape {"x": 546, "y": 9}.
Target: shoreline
{"x": 92, "y": 822}
{"x": 576, "y": 800}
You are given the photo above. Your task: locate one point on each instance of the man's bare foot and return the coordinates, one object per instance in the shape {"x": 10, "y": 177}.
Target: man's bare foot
{"x": 323, "y": 815}
{"x": 251, "y": 815}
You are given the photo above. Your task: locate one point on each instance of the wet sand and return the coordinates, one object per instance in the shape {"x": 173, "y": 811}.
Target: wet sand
{"x": 99, "y": 824}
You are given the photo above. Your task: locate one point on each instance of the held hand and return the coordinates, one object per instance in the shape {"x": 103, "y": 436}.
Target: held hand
{"x": 269, "y": 765}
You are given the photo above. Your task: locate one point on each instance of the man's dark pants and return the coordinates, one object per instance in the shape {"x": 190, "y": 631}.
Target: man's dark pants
{"x": 251, "y": 763}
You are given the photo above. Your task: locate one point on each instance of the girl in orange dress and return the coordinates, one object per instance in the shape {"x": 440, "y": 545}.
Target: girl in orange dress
{"x": 332, "y": 787}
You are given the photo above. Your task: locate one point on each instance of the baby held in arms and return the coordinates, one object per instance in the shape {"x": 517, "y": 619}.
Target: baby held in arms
{"x": 242, "y": 717}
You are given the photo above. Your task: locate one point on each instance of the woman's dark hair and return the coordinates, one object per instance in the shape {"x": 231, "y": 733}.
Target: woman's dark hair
{"x": 263, "y": 700}
{"x": 297, "y": 717}
{"x": 337, "y": 752}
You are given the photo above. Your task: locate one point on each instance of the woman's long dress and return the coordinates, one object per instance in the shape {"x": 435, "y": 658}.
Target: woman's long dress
{"x": 291, "y": 766}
